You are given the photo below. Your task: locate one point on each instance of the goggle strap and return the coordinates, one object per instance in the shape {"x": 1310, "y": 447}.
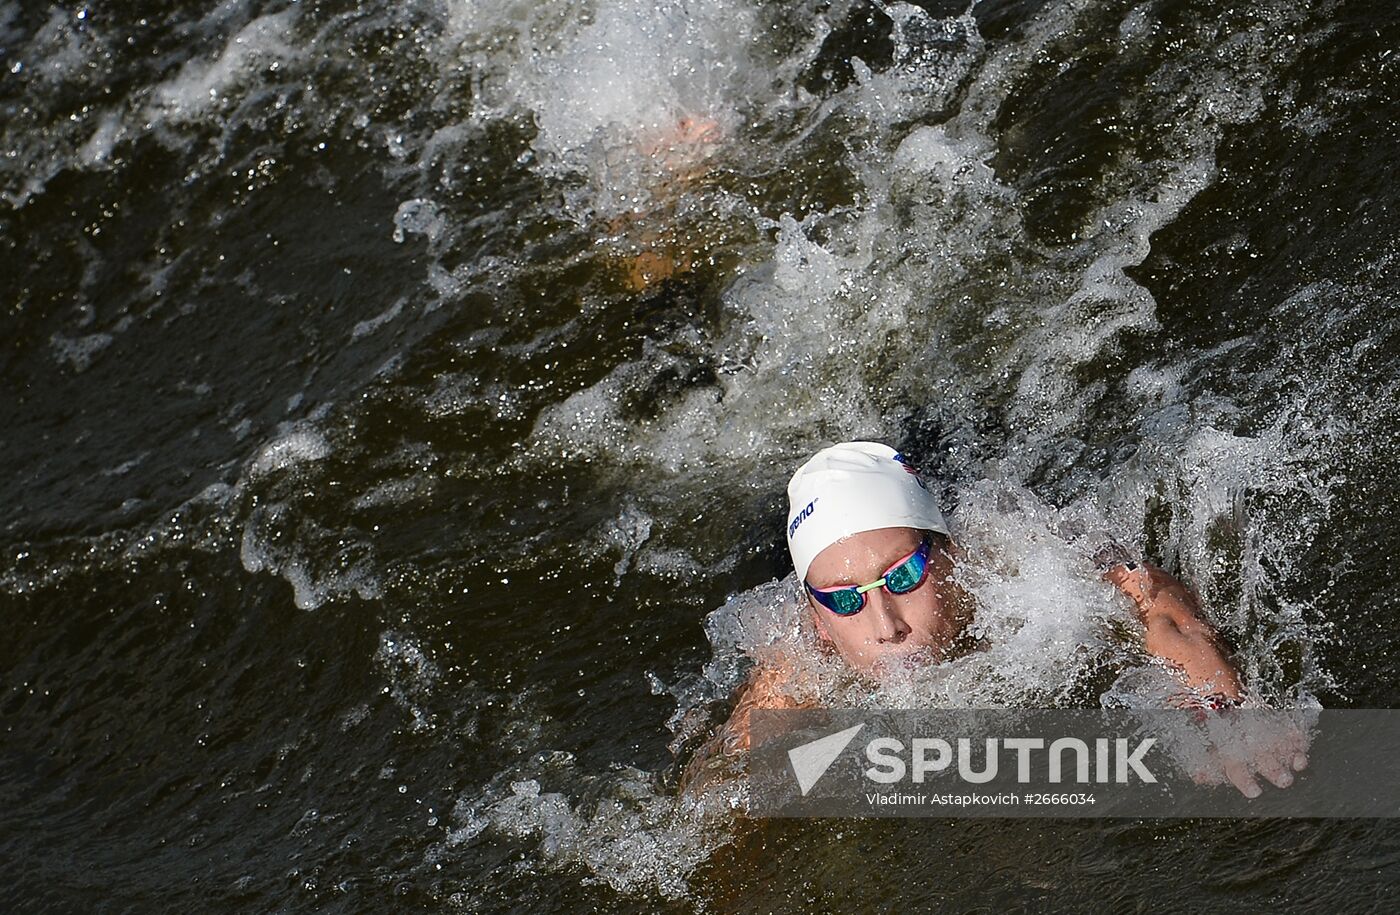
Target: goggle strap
{"x": 861, "y": 589}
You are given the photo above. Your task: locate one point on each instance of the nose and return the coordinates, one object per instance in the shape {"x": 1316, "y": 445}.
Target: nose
{"x": 890, "y": 627}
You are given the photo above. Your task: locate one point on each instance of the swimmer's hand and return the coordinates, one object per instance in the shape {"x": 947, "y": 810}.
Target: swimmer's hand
{"x": 1241, "y": 742}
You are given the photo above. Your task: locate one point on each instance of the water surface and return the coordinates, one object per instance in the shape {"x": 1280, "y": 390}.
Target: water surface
{"x": 364, "y": 509}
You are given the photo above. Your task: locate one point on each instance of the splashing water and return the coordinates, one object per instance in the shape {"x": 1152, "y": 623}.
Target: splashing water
{"x": 467, "y": 347}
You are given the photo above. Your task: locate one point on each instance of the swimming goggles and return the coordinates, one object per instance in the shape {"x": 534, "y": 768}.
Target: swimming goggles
{"x": 901, "y": 578}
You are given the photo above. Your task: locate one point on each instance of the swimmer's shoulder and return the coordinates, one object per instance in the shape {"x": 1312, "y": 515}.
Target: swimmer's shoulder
{"x": 722, "y": 757}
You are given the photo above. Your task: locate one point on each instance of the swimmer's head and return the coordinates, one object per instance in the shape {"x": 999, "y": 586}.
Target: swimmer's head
{"x": 698, "y": 129}
{"x": 682, "y": 147}
{"x": 850, "y": 488}
{"x": 859, "y": 513}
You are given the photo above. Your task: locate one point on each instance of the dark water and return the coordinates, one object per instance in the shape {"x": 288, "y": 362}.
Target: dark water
{"x": 361, "y": 517}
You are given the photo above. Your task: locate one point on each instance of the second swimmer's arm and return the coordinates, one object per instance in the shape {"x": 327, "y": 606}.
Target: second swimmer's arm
{"x": 1176, "y": 631}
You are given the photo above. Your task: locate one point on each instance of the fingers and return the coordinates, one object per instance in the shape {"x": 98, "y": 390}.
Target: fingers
{"x": 1276, "y": 765}
{"x": 1275, "y": 769}
{"x": 1298, "y": 745}
{"x": 1248, "y": 752}
{"x": 1240, "y": 776}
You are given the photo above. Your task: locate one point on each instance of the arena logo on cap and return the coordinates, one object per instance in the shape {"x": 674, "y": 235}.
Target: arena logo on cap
{"x": 801, "y": 516}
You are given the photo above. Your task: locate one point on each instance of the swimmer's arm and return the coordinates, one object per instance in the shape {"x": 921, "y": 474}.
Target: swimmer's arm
{"x": 1176, "y": 631}
{"x": 1178, "y": 634}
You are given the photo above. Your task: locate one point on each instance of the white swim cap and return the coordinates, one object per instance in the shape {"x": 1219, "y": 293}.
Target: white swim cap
{"x": 850, "y": 488}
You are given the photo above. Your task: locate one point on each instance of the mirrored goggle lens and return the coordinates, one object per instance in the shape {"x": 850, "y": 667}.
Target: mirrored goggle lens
{"x": 907, "y": 575}
{"x": 843, "y": 603}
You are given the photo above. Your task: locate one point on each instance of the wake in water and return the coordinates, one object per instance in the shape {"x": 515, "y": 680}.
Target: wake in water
{"x": 513, "y": 319}
{"x": 918, "y": 265}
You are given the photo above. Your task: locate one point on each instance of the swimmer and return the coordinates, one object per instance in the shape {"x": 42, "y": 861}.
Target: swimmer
{"x": 875, "y": 563}
{"x": 682, "y": 152}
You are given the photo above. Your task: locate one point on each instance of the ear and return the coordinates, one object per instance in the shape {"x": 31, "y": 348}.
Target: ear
{"x": 818, "y": 620}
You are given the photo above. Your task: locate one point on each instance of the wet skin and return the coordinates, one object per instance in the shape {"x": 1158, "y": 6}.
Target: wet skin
{"x": 683, "y": 150}
{"x": 919, "y": 625}
{"x": 924, "y": 625}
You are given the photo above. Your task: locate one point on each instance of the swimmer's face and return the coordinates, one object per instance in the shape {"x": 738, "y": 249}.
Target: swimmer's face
{"x": 890, "y": 628}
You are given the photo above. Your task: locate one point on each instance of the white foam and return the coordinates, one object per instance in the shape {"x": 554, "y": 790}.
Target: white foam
{"x": 929, "y": 63}
{"x": 802, "y": 379}
{"x": 411, "y": 673}
{"x": 630, "y": 838}
{"x": 845, "y": 326}
{"x": 419, "y": 216}
{"x": 320, "y": 565}
{"x": 367, "y": 327}
{"x": 298, "y": 445}
{"x": 627, "y": 533}
{"x": 61, "y": 50}
{"x": 638, "y": 67}
{"x": 635, "y": 95}
{"x": 392, "y": 492}
{"x": 203, "y": 84}
{"x": 1235, "y": 550}
{"x": 98, "y": 149}
{"x": 79, "y": 352}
